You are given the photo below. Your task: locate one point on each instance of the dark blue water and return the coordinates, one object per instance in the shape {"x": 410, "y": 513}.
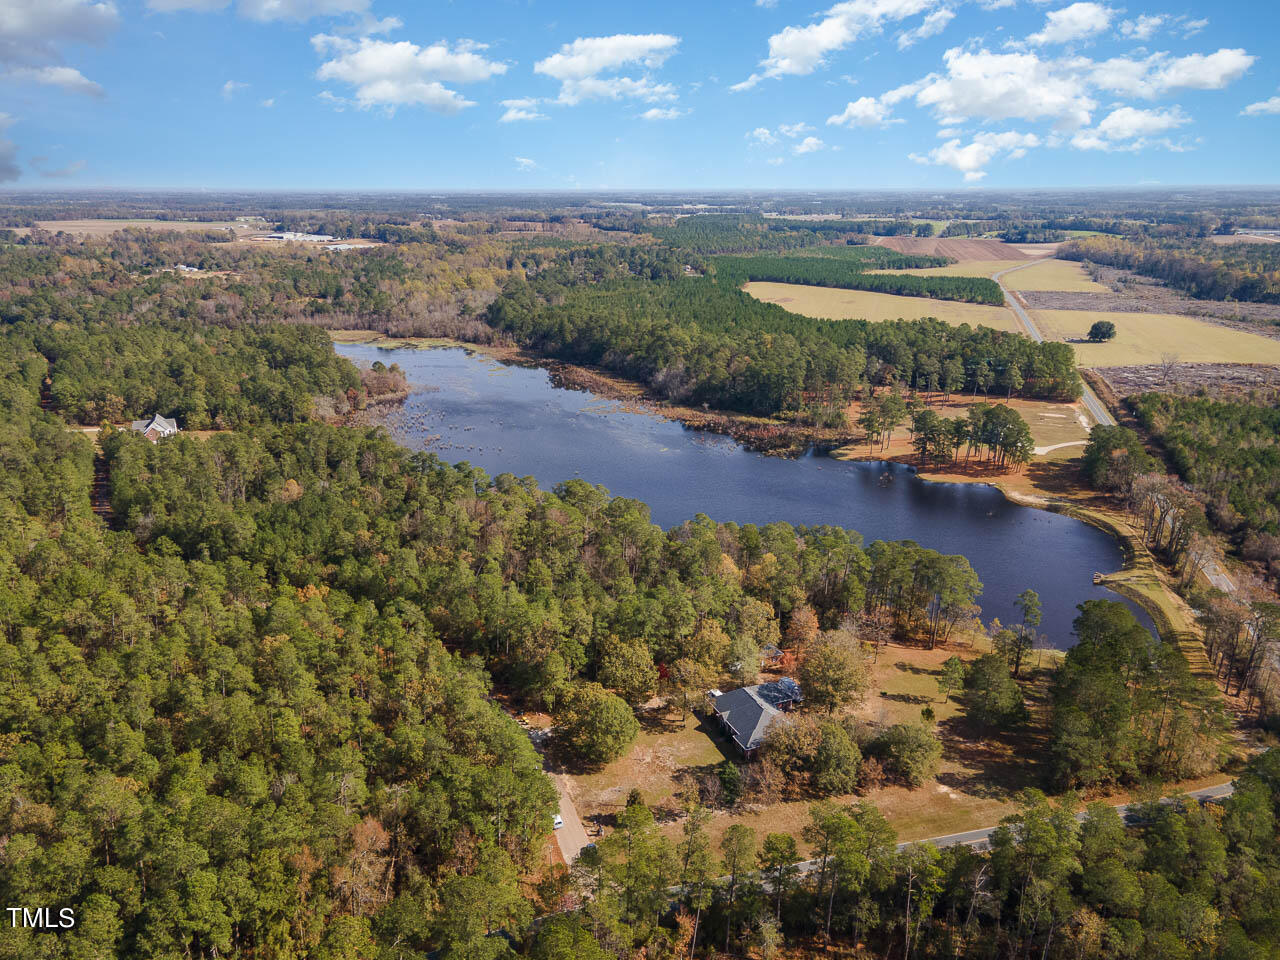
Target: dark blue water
{"x": 513, "y": 420}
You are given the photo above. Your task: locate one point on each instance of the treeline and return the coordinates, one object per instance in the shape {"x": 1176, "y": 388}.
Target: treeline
{"x": 692, "y": 340}
{"x": 1229, "y": 450}
{"x": 721, "y": 233}
{"x": 206, "y": 377}
{"x": 851, "y": 275}
{"x": 1245, "y": 272}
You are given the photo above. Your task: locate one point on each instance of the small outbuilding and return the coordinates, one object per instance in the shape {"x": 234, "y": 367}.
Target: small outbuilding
{"x": 157, "y": 428}
{"x": 747, "y": 713}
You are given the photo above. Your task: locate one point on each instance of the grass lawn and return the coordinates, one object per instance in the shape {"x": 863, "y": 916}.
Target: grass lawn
{"x": 830, "y": 303}
{"x": 1054, "y": 275}
{"x": 1143, "y": 338}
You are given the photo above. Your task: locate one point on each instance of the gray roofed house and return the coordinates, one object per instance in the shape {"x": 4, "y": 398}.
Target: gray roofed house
{"x": 747, "y": 713}
{"x": 156, "y": 428}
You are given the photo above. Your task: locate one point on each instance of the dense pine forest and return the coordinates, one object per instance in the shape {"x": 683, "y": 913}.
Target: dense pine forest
{"x": 255, "y": 681}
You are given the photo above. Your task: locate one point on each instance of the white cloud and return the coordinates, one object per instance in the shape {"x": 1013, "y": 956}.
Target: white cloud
{"x": 762, "y": 135}
{"x": 31, "y": 30}
{"x": 1191, "y": 27}
{"x": 1003, "y": 86}
{"x": 268, "y": 103}
{"x": 523, "y": 108}
{"x": 774, "y": 161}
{"x": 1130, "y": 128}
{"x": 863, "y": 112}
{"x": 232, "y": 87}
{"x": 68, "y": 78}
{"x": 524, "y": 163}
{"x": 582, "y": 67}
{"x": 799, "y": 50}
{"x": 808, "y": 145}
{"x": 767, "y": 4}
{"x": 1261, "y": 108}
{"x": 793, "y": 130}
{"x": 267, "y": 10}
{"x": 971, "y": 158}
{"x": 1144, "y": 27}
{"x": 1160, "y": 74}
{"x": 663, "y": 113}
{"x": 8, "y": 152}
{"x": 393, "y": 74}
{"x": 1076, "y": 22}
{"x": 930, "y": 26}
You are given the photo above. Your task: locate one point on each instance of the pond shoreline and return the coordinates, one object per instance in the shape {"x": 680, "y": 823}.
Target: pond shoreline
{"x": 792, "y": 442}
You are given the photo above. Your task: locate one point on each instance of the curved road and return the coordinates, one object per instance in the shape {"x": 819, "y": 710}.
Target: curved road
{"x": 1096, "y": 407}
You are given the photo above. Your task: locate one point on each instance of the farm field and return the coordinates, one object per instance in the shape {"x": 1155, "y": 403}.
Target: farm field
{"x": 103, "y": 228}
{"x": 1064, "y": 275}
{"x": 965, "y": 268}
{"x": 830, "y": 303}
{"x": 1144, "y": 338}
{"x": 957, "y": 249}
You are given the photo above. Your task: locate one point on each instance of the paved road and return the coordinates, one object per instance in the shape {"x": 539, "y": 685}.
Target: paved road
{"x": 1095, "y": 406}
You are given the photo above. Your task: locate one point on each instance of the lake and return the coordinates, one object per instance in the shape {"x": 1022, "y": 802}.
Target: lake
{"x": 509, "y": 419}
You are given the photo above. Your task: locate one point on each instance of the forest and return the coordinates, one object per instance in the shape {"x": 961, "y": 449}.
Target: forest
{"x": 691, "y": 339}
{"x": 1248, "y": 272}
{"x": 849, "y": 274}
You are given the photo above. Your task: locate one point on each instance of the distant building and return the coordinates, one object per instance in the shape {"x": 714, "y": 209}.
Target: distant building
{"x": 746, "y": 713}
{"x": 157, "y": 428}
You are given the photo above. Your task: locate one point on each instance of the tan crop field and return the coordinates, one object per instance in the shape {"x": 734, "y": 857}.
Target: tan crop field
{"x": 965, "y": 268}
{"x": 829, "y": 303}
{"x": 1144, "y": 338}
{"x": 103, "y": 228}
{"x": 1064, "y": 275}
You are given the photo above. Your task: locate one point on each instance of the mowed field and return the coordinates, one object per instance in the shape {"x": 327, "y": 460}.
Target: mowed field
{"x": 965, "y": 268}
{"x": 103, "y": 228}
{"x": 956, "y": 249}
{"x": 1064, "y": 275}
{"x": 830, "y": 303}
{"x": 1144, "y": 338}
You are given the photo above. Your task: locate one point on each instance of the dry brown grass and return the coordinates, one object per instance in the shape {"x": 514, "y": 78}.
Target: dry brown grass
{"x": 1065, "y": 275}
{"x": 1144, "y": 338}
{"x": 965, "y": 268}
{"x": 829, "y": 303}
{"x": 103, "y": 228}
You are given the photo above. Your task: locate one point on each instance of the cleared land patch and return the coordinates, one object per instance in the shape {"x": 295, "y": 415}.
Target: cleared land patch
{"x": 1062, "y": 275}
{"x": 103, "y": 228}
{"x": 1144, "y": 338}
{"x": 829, "y": 303}
{"x": 965, "y": 249}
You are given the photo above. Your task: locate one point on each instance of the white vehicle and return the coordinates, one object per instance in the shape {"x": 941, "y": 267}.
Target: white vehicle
{"x": 557, "y": 821}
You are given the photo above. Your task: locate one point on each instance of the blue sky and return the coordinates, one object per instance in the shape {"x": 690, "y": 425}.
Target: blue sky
{"x": 552, "y": 94}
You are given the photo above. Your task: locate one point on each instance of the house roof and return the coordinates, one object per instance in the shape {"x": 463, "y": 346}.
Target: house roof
{"x": 748, "y": 711}
{"x": 158, "y": 423}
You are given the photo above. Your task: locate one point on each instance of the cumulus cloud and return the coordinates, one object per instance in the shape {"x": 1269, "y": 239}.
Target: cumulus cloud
{"x": 799, "y": 50}
{"x": 586, "y": 67}
{"x": 232, "y": 87}
{"x": 1076, "y": 22}
{"x": 793, "y": 130}
{"x": 971, "y": 158}
{"x": 1191, "y": 27}
{"x": 662, "y": 113}
{"x": 1130, "y": 128}
{"x": 863, "y": 112}
{"x": 392, "y": 74}
{"x": 762, "y": 135}
{"x": 524, "y": 163}
{"x": 1161, "y": 74}
{"x": 1144, "y": 27}
{"x": 67, "y": 78}
{"x": 1262, "y": 108}
{"x": 268, "y": 10}
{"x": 522, "y": 108}
{"x": 8, "y": 152}
{"x": 1003, "y": 86}
{"x": 930, "y": 26}
{"x": 808, "y": 145}
{"x": 31, "y": 31}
